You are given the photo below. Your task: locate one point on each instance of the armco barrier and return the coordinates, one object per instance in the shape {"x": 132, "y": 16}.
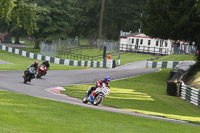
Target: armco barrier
{"x": 175, "y": 85}
{"x": 190, "y": 94}
{"x": 164, "y": 64}
{"x": 97, "y": 64}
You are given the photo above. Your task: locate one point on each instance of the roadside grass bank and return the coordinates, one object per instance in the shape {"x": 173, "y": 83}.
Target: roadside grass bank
{"x": 144, "y": 94}
{"x": 176, "y": 57}
{"x": 25, "y": 114}
{"x": 194, "y": 80}
{"x": 21, "y": 63}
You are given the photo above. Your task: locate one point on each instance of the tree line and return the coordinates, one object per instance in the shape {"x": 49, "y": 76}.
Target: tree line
{"x": 52, "y": 19}
{"x": 48, "y": 20}
{"x": 173, "y": 19}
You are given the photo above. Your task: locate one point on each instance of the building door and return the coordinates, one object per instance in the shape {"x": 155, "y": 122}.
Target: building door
{"x": 137, "y": 42}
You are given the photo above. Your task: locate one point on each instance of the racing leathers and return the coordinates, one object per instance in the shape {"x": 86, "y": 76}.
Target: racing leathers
{"x": 98, "y": 84}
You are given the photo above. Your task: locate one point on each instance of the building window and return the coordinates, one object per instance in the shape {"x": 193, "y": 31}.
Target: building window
{"x": 132, "y": 41}
{"x": 149, "y": 42}
{"x": 141, "y": 41}
{"x": 156, "y": 43}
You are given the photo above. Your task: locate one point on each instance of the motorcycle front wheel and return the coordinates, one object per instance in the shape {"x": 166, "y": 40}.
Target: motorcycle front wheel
{"x": 38, "y": 76}
{"x": 98, "y": 100}
{"x": 85, "y": 100}
{"x": 26, "y": 78}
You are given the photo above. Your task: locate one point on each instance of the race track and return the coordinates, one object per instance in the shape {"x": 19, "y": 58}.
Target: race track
{"x": 13, "y": 81}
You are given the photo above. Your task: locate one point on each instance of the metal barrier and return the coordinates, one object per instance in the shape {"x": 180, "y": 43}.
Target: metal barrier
{"x": 175, "y": 84}
{"x": 105, "y": 63}
{"x": 190, "y": 94}
{"x": 162, "y": 64}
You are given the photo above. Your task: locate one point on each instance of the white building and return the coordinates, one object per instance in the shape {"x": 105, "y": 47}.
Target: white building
{"x": 142, "y": 43}
{"x": 139, "y": 42}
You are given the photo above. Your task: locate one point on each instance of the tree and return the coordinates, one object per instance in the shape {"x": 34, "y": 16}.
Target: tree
{"x": 19, "y": 14}
{"x": 118, "y": 15}
{"x": 6, "y": 7}
{"x": 176, "y": 20}
{"x": 101, "y": 19}
{"x": 122, "y": 15}
{"x": 56, "y": 23}
{"x": 86, "y": 22}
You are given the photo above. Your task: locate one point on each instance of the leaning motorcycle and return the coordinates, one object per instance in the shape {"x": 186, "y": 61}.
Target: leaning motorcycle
{"x": 29, "y": 74}
{"x": 96, "y": 96}
{"x": 41, "y": 71}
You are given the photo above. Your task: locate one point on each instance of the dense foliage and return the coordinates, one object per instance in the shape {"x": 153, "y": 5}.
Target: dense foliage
{"x": 15, "y": 14}
{"x": 176, "y": 20}
{"x": 64, "y": 18}
{"x": 118, "y": 15}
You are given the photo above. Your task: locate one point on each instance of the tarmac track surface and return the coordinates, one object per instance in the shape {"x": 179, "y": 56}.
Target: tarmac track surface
{"x": 47, "y": 87}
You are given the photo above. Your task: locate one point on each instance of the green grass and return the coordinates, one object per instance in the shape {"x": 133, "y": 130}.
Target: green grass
{"x": 25, "y": 114}
{"x": 21, "y": 63}
{"x": 176, "y": 57}
{"x": 144, "y": 94}
{"x": 129, "y": 57}
{"x": 194, "y": 80}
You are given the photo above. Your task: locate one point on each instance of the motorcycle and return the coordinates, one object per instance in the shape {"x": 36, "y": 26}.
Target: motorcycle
{"x": 29, "y": 74}
{"x": 41, "y": 71}
{"x": 96, "y": 96}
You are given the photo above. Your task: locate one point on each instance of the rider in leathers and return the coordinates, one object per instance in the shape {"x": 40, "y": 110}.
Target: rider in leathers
{"x": 35, "y": 65}
{"x": 100, "y": 84}
{"x": 46, "y": 63}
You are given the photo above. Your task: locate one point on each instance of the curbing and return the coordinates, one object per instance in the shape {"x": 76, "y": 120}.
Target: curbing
{"x": 165, "y": 64}
{"x": 96, "y": 64}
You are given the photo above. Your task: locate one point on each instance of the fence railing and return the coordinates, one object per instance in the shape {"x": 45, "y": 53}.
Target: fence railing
{"x": 144, "y": 49}
{"x": 190, "y": 94}
{"x": 67, "y": 50}
{"x": 188, "y": 49}
{"x": 82, "y": 57}
{"x": 87, "y": 46}
{"x": 155, "y": 50}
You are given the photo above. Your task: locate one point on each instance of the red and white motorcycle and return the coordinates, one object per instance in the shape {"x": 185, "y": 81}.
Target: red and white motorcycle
{"x": 97, "y": 96}
{"x": 41, "y": 71}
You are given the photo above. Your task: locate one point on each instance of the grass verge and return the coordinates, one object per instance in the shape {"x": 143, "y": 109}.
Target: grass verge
{"x": 194, "y": 80}
{"x": 21, "y": 63}
{"x": 144, "y": 94}
{"x": 176, "y": 57}
{"x": 25, "y": 114}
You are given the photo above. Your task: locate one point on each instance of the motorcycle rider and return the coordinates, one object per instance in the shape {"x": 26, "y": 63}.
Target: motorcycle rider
{"x": 35, "y": 65}
{"x": 46, "y": 63}
{"x": 100, "y": 84}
